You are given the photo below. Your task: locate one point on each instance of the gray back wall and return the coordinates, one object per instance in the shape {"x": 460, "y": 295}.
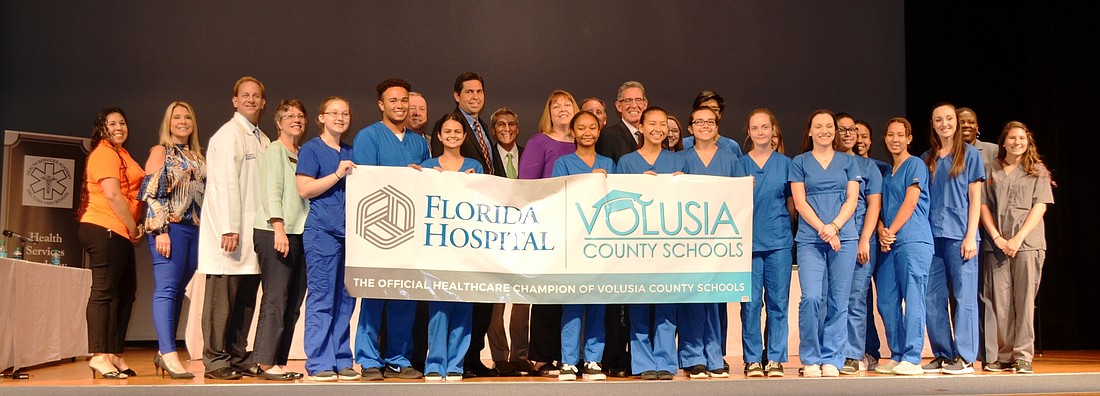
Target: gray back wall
{"x": 63, "y": 61}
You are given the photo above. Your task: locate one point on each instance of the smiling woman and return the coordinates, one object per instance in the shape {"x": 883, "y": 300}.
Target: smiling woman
{"x": 173, "y": 193}
{"x": 108, "y": 215}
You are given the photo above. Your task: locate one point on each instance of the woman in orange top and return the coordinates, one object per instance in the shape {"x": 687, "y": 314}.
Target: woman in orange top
{"x": 109, "y": 211}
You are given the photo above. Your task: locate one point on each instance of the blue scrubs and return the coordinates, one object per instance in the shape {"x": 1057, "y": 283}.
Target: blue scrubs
{"x": 725, "y": 143}
{"x": 467, "y": 164}
{"x": 702, "y": 329}
{"x": 872, "y": 344}
{"x": 574, "y": 317}
{"x": 903, "y": 273}
{"x": 377, "y": 145}
{"x": 771, "y": 260}
{"x": 819, "y": 266}
{"x": 571, "y": 164}
{"x": 449, "y": 323}
{"x": 949, "y": 274}
{"x": 859, "y": 313}
{"x": 652, "y": 326}
{"x": 328, "y": 305}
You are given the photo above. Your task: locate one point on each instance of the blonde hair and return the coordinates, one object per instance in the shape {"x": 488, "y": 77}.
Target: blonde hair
{"x": 166, "y": 128}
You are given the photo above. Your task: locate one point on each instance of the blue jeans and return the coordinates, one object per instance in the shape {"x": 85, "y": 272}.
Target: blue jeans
{"x": 170, "y": 276}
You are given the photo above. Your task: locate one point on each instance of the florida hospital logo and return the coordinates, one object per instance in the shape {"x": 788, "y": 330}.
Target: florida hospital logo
{"x": 385, "y": 218}
{"x": 48, "y": 182}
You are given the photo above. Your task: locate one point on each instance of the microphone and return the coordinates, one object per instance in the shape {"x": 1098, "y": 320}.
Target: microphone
{"x": 12, "y": 234}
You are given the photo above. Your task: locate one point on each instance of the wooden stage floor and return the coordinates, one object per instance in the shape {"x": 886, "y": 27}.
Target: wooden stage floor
{"x": 76, "y": 374}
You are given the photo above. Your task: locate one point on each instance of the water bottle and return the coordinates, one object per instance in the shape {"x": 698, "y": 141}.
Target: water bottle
{"x": 3, "y": 248}
{"x": 18, "y": 254}
{"x": 55, "y": 257}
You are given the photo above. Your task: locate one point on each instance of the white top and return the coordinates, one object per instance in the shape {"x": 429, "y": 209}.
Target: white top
{"x": 232, "y": 193}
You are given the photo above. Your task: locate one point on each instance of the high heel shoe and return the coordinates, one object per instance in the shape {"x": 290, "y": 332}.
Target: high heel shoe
{"x": 158, "y": 362}
{"x": 114, "y": 375}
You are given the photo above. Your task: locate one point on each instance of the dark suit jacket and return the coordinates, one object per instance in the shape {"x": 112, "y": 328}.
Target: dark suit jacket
{"x": 616, "y": 141}
{"x": 470, "y": 147}
{"x": 498, "y": 162}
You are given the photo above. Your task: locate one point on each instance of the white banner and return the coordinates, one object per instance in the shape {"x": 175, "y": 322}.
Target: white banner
{"x": 578, "y": 239}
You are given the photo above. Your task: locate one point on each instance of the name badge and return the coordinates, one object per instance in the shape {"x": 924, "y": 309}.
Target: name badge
{"x": 249, "y": 156}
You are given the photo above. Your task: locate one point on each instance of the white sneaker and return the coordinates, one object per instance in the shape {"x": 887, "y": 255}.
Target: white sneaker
{"x": 568, "y": 373}
{"x": 812, "y": 371}
{"x": 888, "y": 367}
{"x": 906, "y": 368}
{"x": 593, "y": 372}
{"x": 829, "y": 370}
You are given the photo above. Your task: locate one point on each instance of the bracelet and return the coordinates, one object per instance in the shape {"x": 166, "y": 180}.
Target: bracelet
{"x": 337, "y": 176}
{"x": 835, "y": 226}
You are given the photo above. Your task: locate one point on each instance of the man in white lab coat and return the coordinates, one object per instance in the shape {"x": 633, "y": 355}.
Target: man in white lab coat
{"x": 226, "y": 256}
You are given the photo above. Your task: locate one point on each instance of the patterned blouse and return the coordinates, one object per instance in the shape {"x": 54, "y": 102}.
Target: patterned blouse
{"x": 173, "y": 194}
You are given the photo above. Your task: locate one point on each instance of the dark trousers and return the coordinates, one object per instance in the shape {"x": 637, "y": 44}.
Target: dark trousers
{"x": 227, "y": 311}
{"x": 420, "y": 336}
{"x": 616, "y": 337}
{"x": 114, "y": 284}
{"x": 545, "y": 333}
{"x": 284, "y": 284}
{"x": 482, "y": 315}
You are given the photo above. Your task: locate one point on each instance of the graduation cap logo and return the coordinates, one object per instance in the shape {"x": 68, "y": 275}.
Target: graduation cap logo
{"x": 615, "y": 201}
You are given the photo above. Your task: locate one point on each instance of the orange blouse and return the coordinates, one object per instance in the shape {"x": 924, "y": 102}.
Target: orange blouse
{"x": 105, "y": 163}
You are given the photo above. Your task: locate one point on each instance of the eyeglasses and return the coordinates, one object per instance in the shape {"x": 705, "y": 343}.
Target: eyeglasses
{"x": 704, "y": 123}
{"x": 336, "y": 115}
{"x": 294, "y": 116}
{"x": 628, "y": 101}
{"x": 852, "y": 129}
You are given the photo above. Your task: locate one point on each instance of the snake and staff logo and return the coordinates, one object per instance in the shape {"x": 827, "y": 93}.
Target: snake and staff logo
{"x": 48, "y": 182}
{"x": 385, "y": 218}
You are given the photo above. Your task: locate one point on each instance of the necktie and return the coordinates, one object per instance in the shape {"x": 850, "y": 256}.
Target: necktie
{"x": 510, "y": 168}
{"x": 484, "y": 148}
{"x": 638, "y": 137}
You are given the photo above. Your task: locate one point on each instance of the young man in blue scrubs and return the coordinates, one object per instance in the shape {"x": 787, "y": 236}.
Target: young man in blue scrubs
{"x": 388, "y": 143}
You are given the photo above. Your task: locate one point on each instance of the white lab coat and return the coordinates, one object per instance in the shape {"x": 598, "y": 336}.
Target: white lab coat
{"x": 233, "y": 158}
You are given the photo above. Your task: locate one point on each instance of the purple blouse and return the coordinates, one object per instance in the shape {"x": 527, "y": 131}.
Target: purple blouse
{"x": 537, "y": 160}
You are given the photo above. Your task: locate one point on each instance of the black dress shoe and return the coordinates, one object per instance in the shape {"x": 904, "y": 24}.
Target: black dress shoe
{"x": 253, "y": 371}
{"x": 224, "y": 373}
{"x": 289, "y": 376}
{"x": 619, "y": 372}
{"x": 480, "y": 370}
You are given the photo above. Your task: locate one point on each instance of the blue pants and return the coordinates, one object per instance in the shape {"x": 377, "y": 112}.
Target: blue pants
{"x": 448, "y": 336}
{"x": 861, "y": 314}
{"x": 572, "y": 318}
{"x": 771, "y": 288}
{"x": 951, "y": 277}
{"x": 653, "y": 347}
{"x": 400, "y": 315}
{"x": 902, "y": 278}
{"x": 699, "y": 325}
{"x": 826, "y": 280}
{"x": 171, "y": 277}
{"x": 328, "y": 306}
